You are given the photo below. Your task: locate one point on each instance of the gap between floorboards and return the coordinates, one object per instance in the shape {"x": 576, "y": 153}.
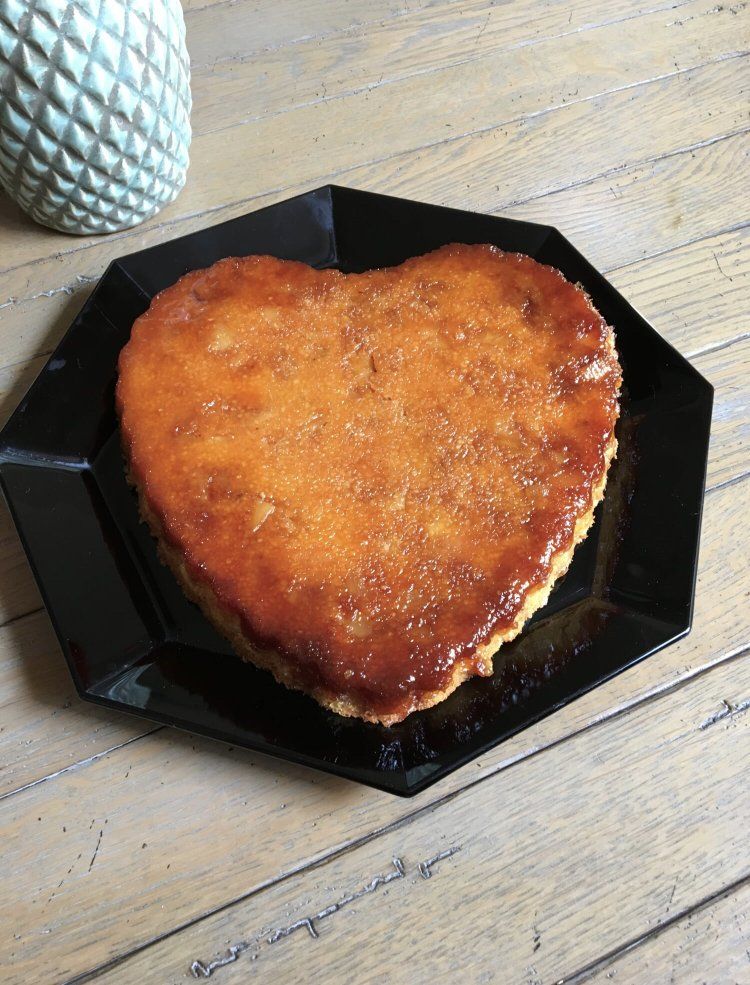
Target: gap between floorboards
{"x": 583, "y": 974}
{"x": 610, "y": 714}
{"x": 370, "y": 87}
{"x": 407, "y": 819}
{"x": 329, "y": 178}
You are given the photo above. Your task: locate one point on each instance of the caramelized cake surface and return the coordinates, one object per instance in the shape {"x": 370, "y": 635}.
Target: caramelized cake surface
{"x": 369, "y": 481}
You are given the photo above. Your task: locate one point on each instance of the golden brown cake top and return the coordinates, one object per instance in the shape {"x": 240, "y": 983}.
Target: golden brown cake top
{"x": 372, "y": 470}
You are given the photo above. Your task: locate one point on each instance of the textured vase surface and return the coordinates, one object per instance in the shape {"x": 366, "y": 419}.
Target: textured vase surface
{"x": 94, "y": 110}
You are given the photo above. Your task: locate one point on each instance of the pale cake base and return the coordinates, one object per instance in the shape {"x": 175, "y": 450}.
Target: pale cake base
{"x": 229, "y": 625}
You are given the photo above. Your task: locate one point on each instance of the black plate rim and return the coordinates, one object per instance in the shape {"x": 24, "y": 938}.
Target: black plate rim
{"x": 399, "y": 783}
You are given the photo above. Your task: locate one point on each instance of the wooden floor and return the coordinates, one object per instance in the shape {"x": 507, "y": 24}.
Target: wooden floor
{"x": 608, "y": 843}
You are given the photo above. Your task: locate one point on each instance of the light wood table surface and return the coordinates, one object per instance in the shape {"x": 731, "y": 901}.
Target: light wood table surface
{"x": 608, "y": 843}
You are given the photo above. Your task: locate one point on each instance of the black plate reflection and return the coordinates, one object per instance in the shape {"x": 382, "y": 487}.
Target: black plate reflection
{"x": 132, "y": 640}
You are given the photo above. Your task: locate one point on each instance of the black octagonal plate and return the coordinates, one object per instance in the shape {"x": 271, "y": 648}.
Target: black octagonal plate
{"x": 134, "y": 643}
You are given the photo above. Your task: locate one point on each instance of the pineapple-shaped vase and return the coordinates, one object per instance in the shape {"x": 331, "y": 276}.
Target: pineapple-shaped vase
{"x": 94, "y": 110}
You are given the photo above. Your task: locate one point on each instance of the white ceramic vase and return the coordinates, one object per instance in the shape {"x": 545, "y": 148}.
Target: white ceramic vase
{"x": 94, "y": 110}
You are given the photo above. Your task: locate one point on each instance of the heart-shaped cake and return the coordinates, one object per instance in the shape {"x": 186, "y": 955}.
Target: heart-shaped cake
{"x": 370, "y": 481}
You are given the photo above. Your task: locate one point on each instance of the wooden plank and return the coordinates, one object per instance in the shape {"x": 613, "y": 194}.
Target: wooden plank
{"x": 19, "y": 594}
{"x": 324, "y": 137}
{"x": 267, "y": 818}
{"x": 319, "y": 141}
{"x": 66, "y": 733}
{"x": 481, "y": 171}
{"x": 189, "y": 6}
{"x": 34, "y": 317}
{"x": 14, "y": 382}
{"x": 729, "y": 371}
{"x": 695, "y": 295}
{"x": 716, "y": 87}
{"x": 232, "y": 83}
{"x": 710, "y": 944}
{"x": 217, "y": 31}
{"x": 119, "y": 894}
{"x": 459, "y": 85}
{"x": 558, "y": 860}
{"x": 37, "y": 301}
{"x": 648, "y": 203}
{"x": 45, "y": 726}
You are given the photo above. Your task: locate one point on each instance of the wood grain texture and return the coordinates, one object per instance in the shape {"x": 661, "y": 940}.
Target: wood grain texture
{"x": 729, "y": 371}
{"x": 36, "y": 318}
{"x": 711, "y": 944}
{"x": 225, "y": 29}
{"x": 319, "y": 141}
{"x": 678, "y": 199}
{"x": 18, "y": 592}
{"x": 254, "y": 84}
{"x": 627, "y": 127}
{"x": 34, "y": 294}
{"x": 491, "y": 158}
{"x": 15, "y": 381}
{"x": 194, "y": 5}
{"x": 622, "y": 803}
{"x": 727, "y": 368}
{"x": 266, "y": 818}
{"x": 326, "y": 137}
{"x": 697, "y": 295}
{"x": 45, "y": 726}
